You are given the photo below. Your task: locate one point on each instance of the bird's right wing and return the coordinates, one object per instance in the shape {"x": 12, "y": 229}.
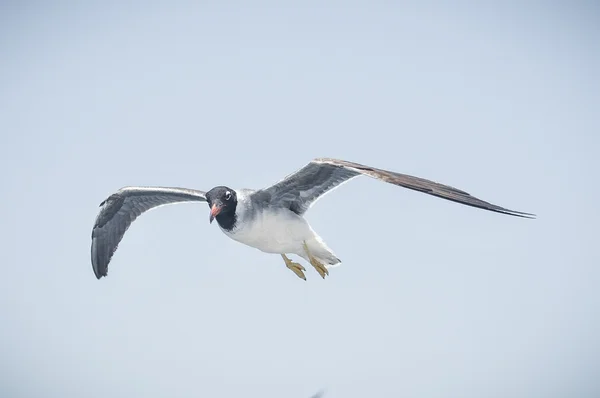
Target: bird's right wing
{"x": 120, "y": 209}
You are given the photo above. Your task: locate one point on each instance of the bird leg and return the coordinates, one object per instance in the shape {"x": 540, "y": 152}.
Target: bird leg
{"x": 295, "y": 267}
{"x": 316, "y": 263}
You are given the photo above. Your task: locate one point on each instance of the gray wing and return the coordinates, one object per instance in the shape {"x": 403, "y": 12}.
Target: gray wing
{"x": 299, "y": 190}
{"x": 120, "y": 209}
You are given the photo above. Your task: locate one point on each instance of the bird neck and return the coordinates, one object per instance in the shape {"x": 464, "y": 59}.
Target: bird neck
{"x": 227, "y": 220}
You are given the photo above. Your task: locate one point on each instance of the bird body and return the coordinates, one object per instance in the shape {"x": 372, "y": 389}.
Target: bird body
{"x": 275, "y": 230}
{"x": 269, "y": 219}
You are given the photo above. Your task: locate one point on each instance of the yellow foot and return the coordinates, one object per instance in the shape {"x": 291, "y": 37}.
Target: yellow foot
{"x": 316, "y": 263}
{"x": 295, "y": 267}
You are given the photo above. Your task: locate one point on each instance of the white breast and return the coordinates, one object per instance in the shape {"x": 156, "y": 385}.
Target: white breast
{"x": 272, "y": 230}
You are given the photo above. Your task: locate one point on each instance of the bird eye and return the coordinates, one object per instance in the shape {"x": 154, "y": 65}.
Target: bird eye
{"x": 227, "y": 195}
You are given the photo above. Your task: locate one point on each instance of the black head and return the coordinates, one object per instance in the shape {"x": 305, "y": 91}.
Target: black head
{"x": 222, "y": 202}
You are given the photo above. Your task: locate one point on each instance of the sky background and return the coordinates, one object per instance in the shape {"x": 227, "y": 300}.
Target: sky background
{"x": 433, "y": 299}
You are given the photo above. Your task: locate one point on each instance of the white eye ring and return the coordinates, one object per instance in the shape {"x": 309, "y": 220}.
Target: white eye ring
{"x": 227, "y": 195}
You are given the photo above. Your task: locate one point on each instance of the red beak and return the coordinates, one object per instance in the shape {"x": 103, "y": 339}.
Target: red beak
{"x": 214, "y": 211}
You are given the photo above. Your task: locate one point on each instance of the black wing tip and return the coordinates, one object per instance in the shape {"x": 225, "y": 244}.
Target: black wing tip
{"x": 99, "y": 270}
{"x": 99, "y": 266}
{"x": 508, "y": 212}
{"x": 99, "y": 276}
{"x": 514, "y": 213}
{"x": 528, "y": 216}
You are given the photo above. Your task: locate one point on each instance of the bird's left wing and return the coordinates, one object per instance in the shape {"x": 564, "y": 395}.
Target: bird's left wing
{"x": 120, "y": 209}
{"x": 299, "y": 190}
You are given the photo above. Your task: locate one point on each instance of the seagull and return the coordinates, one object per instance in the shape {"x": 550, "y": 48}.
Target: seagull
{"x": 269, "y": 219}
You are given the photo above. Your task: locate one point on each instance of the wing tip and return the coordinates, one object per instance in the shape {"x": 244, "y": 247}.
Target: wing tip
{"x": 99, "y": 267}
{"x": 99, "y": 275}
{"x": 516, "y": 213}
{"x": 99, "y": 271}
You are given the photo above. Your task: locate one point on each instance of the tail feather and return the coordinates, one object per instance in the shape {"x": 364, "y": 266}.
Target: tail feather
{"x": 319, "y": 250}
{"x": 331, "y": 261}
{"x": 326, "y": 257}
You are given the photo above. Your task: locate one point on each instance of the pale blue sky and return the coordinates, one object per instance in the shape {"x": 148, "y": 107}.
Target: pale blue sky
{"x": 433, "y": 299}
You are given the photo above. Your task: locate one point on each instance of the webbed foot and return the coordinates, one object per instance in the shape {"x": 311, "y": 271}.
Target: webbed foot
{"x": 295, "y": 267}
{"x": 319, "y": 266}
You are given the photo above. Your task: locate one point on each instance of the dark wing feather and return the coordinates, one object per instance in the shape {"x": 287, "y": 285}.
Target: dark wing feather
{"x": 120, "y": 209}
{"x": 301, "y": 189}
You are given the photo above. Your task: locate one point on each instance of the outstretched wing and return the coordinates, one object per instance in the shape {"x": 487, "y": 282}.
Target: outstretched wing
{"x": 299, "y": 190}
{"x": 120, "y": 209}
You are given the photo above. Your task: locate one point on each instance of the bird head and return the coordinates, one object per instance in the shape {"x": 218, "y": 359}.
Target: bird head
{"x": 221, "y": 201}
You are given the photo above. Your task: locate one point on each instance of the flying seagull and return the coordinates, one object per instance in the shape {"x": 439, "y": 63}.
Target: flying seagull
{"x": 269, "y": 219}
